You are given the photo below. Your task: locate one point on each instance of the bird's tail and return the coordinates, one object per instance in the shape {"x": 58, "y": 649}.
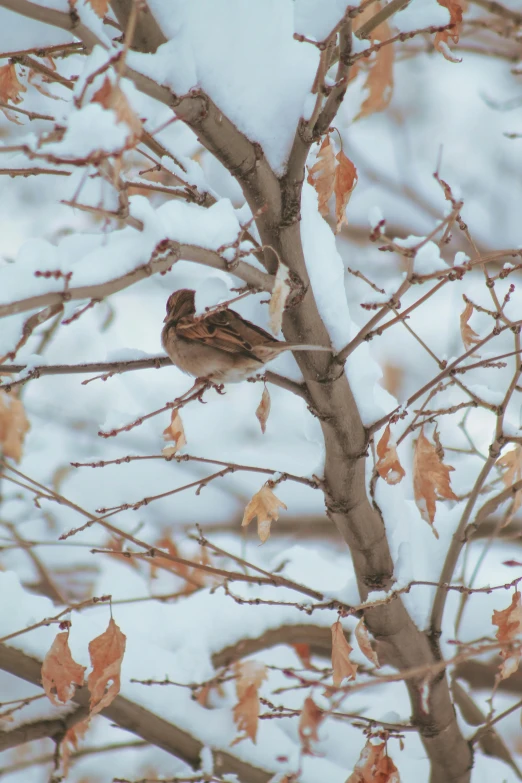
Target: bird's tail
{"x": 301, "y": 347}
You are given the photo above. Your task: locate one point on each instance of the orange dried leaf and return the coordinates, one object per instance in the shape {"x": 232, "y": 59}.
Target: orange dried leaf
{"x": 431, "y": 480}
{"x": 441, "y": 40}
{"x": 100, "y": 7}
{"x": 118, "y": 545}
{"x": 70, "y": 742}
{"x": 363, "y": 640}
{"x": 39, "y": 82}
{"x": 379, "y": 82}
{"x": 469, "y": 336}
{"x": 309, "y": 722}
{"x": 374, "y": 766}
{"x": 60, "y": 672}
{"x": 322, "y": 175}
{"x": 388, "y": 466}
{"x": 111, "y": 96}
{"x": 265, "y": 506}
{"x": 509, "y": 623}
{"x": 278, "y": 299}
{"x": 263, "y": 409}
{"x": 342, "y": 666}
{"x": 13, "y": 426}
{"x": 303, "y": 653}
{"x": 512, "y": 464}
{"x": 250, "y": 676}
{"x": 344, "y": 183}
{"x": 10, "y": 87}
{"x": 106, "y": 653}
{"x": 165, "y": 542}
{"x": 246, "y": 715}
{"x": 175, "y": 433}
{"x": 193, "y": 577}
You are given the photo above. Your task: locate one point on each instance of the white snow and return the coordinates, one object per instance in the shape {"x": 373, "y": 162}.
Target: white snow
{"x": 316, "y": 19}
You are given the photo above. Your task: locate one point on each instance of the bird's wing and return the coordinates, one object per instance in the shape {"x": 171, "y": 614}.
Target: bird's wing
{"x": 227, "y": 331}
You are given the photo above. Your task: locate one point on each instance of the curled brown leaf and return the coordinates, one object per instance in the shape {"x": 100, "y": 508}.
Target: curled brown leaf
{"x": 60, "y": 672}
{"x": 388, "y": 466}
{"x": 265, "y": 506}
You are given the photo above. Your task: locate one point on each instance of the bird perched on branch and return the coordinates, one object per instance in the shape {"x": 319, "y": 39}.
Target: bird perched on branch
{"x": 220, "y": 346}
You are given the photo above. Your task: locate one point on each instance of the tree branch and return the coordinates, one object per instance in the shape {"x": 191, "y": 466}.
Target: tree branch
{"x": 137, "y": 720}
{"x": 148, "y": 35}
{"x": 52, "y": 727}
{"x": 63, "y": 20}
{"x": 500, "y": 10}
{"x": 175, "y": 252}
{"x": 388, "y": 10}
{"x": 317, "y": 637}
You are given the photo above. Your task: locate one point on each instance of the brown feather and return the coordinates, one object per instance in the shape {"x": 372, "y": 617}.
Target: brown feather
{"x": 220, "y": 344}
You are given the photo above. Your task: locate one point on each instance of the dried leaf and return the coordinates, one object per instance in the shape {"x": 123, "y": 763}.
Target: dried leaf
{"x": 393, "y": 377}
{"x": 106, "y": 653}
{"x": 374, "y": 766}
{"x": 100, "y": 7}
{"x": 10, "y": 87}
{"x": 265, "y": 506}
{"x": 379, "y": 81}
{"x": 117, "y": 544}
{"x": 263, "y": 409}
{"x": 342, "y": 666}
{"x": 60, "y": 672}
{"x": 303, "y": 653}
{"x": 166, "y": 542}
{"x": 441, "y": 40}
{"x": 511, "y": 462}
{"x": 344, "y": 182}
{"x": 509, "y": 623}
{"x": 39, "y": 82}
{"x": 250, "y": 676}
{"x": 431, "y": 480}
{"x": 13, "y": 426}
{"x": 469, "y": 337}
{"x": 111, "y": 96}
{"x": 309, "y": 722}
{"x": 333, "y": 175}
{"x": 70, "y": 742}
{"x": 278, "y": 299}
{"x": 194, "y": 577}
{"x": 363, "y": 640}
{"x": 322, "y": 175}
{"x": 175, "y": 433}
{"x": 388, "y": 466}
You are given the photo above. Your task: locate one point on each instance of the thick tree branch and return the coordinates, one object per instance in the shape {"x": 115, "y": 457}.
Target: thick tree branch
{"x": 65, "y": 21}
{"x": 388, "y": 10}
{"x": 136, "y": 719}
{"x": 115, "y": 368}
{"x": 148, "y": 35}
{"x": 54, "y": 728}
{"x": 317, "y": 637}
{"x": 346, "y": 439}
{"x": 166, "y": 258}
{"x": 500, "y": 10}
{"x": 243, "y": 158}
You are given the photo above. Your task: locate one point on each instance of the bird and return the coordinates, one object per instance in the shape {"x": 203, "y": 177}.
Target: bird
{"x": 219, "y": 346}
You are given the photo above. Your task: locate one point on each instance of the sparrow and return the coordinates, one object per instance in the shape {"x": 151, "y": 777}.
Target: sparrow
{"x": 220, "y": 346}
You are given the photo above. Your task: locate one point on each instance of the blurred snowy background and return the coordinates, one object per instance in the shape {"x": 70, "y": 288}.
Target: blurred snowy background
{"x": 455, "y": 116}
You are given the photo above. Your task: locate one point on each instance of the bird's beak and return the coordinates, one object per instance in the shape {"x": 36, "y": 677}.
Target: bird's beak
{"x": 166, "y": 318}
